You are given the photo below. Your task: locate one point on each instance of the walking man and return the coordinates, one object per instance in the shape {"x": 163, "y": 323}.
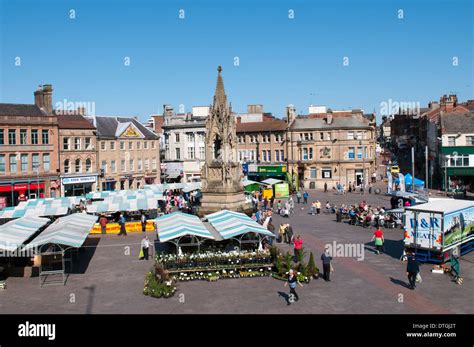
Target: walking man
{"x": 292, "y": 281}
{"x": 122, "y": 225}
{"x": 305, "y": 197}
{"x": 143, "y": 220}
{"x": 326, "y": 259}
{"x": 412, "y": 270}
{"x": 145, "y": 247}
{"x": 288, "y": 234}
{"x": 298, "y": 196}
{"x": 325, "y": 187}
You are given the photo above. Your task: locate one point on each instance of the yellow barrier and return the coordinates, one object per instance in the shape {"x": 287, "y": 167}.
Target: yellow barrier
{"x": 114, "y": 228}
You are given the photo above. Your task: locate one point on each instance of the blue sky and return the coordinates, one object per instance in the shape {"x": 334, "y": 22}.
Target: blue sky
{"x": 282, "y": 60}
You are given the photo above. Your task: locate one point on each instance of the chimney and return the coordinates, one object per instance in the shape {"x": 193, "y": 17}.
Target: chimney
{"x": 329, "y": 117}
{"x": 44, "y": 98}
{"x": 290, "y": 114}
{"x": 448, "y": 103}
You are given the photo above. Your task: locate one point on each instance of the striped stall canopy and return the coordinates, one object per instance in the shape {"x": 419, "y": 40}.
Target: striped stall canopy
{"x": 123, "y": 203}
{"x": 40, "y": 210}
{"x": 71, "y": 230}
{"x": 230, "y": 224}
{"x": 14, "y": 234}
{"x": 177, "y": 224}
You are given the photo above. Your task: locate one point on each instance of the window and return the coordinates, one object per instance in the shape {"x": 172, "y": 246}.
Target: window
{"x": 130, "y": 145}
{"x": 34, "y": 136}
{"x": 13, "y": 166}
{"x": 122, "y": 145}
{"x": 153, "y": 164}
{"x": 66, "y": 166}
{"x": 321, "y": 136}
{"x": 311, "y": 154}
{"x": 2, "y": 163}
{"x": 178, "y": 153}
{"x": 145, "y": 145}
{"x": 305, "y": 154}
{"x": 77, "y": 143}
{"x": 112, "y": 145}
{"x": 88, "y": 165}
{"x": 23, "y": 136}
{"x": 326, "y": 173}
{"x": 35, "y": 161}
{"x": 78, "y": 165}
{"x": 45, "y": 137}
{"x": 139, "y": 145}
{"x": 201, "y": 152}
{"x": 104, "y": 166}
{"x": 153, "y": 144}
{"x": 140, "y": 165}
{"x": 66, "y": 143}
{"x": 359, "y": 152}
{"x": 46, "y": 163}
{"x": 312, "y": 172}
{"x": 2, "y": 137}
{"x": 277, "y": 155}
{"x": 282, "y": 156}
{"x": 470, "y": 140}
{"x": 328, "y": 136}
{"x": 132, "y": 165}
{"x": 176, "y": 137}
{"x": 122, "y": 165}
{"x": 190, "y": 152}
{"x": 451, "y": 141}
{"x": 359, "y": 135}
{"x": 460, "y": 160}
{"x": 350, "y": 153}
{"x": 113, "y": 167}
{"x": 88, "y": 143}
{"x": 24, "y": 163}
{"x": 11, "y": 136}
{"x": 190, "y": 137}
{"x": 147, "y": 164}
{"x": 350, "y": 135}
{"x": 264, "y": 155}
{"x": 102, "y": 145}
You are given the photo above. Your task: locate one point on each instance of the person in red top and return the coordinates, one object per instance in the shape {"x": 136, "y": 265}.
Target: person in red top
{"x": 103, "y": 223}
{"x": 379, "y": 240}
{"x": 298, "y": 244}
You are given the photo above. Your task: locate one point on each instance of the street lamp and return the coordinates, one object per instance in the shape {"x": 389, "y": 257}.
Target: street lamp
{"x": 363, "y": 167}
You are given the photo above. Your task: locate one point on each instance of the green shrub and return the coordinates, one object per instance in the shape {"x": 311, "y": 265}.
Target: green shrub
{"x": 311, "y": 268}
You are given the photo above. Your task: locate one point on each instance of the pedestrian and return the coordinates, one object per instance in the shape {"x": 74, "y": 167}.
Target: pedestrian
{"x": 298, "y": 196}
{"x": 325, "y": 187}
{"x": 350, "y": 187}
{"x": 279, "y": 207}
{"x": 298, "y": 248}
{"x": 305, "y": 197}
{"x": 270, "y": 228}
{"x": 318, "y": 207}
{"x": 292, "y": 280}
{"x": 143, "y": 220}
{"x": 288, "y": 234}
{"x": 281, "y": 233}
{"x": 145, "y": 244}
{"x": 327, "y": 268}
{"x": 379, "y": 240}
{"x": 122, "y": 221}
{"x": 103, "y": 224}
{"x": 413, "y": 270}
{"x": 272, "y": 202}
{"x": 313, "y": 208}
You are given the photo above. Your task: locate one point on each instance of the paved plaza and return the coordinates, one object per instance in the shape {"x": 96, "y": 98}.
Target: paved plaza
{"x": 110, "y": 279}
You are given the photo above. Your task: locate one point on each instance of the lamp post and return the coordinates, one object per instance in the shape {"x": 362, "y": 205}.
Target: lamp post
{"x": 363, "y": 167}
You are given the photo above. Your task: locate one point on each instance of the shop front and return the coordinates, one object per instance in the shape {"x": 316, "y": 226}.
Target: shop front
{"x": 11, "y": 194}
{"x": 262, "y": 172}
{"x": 78, "y": 185}
{"x": 109, "y": 184}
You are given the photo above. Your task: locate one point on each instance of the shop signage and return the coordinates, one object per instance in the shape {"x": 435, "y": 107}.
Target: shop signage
{"x": 281, "y": 190}
{"x": 272, "y": 170}
{"x": 78, "y": 180}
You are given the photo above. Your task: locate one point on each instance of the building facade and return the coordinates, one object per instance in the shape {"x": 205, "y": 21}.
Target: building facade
{"x": 77, "y": 155}
{"x": 184, "y": 140}
{"x": 457, "y": 160}
{"x": 128, "y": 154}
{"x": 328, "y": 148}
{"x": 28, "y": 150}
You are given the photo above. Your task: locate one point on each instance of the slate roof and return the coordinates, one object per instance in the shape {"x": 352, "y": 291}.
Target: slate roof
{"x": 337, "y": 123}
{"x": 276, "y": 125}
{"x": 457, "y": 122}
{"x": 73, "y": 121}
{"x": 20, "y": 110}
{"x": 107, "y": 126}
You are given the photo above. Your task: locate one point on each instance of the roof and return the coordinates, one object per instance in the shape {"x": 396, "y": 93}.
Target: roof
{"x": 274, "y": 125}
{"x": 14, "y": 234}
{"x": 453, "y": 123}
{"x": 71, "y": 230}
{"x": 107, "y": 126}
{"x": 337, "y": 123}
{"x": 272, "y": 181}
{"x": 177, "y": 224}
{"x": 20, "y": 110}
{"x": 230, "y": 224}
{"x": 73, "y": 121}
{"x": 442, "y": 206}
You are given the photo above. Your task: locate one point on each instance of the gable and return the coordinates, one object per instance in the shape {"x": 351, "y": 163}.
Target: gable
{"x": 128, "y": 130}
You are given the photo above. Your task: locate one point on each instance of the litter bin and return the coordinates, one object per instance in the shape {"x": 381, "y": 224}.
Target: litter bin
{"x": 338, "y": 216}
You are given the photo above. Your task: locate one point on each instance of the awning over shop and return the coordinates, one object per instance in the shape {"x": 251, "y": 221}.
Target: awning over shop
{"x": 174, "y": 225}
{"x": 14, "y": 234}
{"x": 272, "y": 181}
{"x": 230, "y": 224}
{"x": 71, "y": 230}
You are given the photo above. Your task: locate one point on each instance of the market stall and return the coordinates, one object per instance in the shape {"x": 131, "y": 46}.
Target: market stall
{"x": 15, "y": 233}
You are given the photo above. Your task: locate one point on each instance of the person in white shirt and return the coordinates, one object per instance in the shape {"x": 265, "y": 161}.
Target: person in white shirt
{"x": 145, "y": 244}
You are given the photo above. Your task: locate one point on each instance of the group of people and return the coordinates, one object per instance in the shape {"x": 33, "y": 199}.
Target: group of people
{"x": 279, "y": 207}
{"x": 364, "y": 214}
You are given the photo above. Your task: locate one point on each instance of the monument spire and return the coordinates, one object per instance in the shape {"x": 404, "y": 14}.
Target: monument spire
{"x": 220, "y": 99}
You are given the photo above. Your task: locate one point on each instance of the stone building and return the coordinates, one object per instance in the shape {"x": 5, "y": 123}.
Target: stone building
{"x": 77, "y": 155}
{"x": 28, "y": 149}
{"x": 128, "y": 153}
{"x": 330, "y": 147}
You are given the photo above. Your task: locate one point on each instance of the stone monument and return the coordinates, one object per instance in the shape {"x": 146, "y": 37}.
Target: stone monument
{"x": 221, "y": 174}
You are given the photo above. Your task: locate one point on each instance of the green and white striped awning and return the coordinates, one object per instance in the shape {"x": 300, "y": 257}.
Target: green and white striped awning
{"x": 71, "y": 230}
{"x": 174, "y": 225}
{"x": 230, "y": 224}
{"x": 14, "y": 234}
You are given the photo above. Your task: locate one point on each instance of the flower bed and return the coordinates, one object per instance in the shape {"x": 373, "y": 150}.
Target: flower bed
{"x": 214, "y": 275}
